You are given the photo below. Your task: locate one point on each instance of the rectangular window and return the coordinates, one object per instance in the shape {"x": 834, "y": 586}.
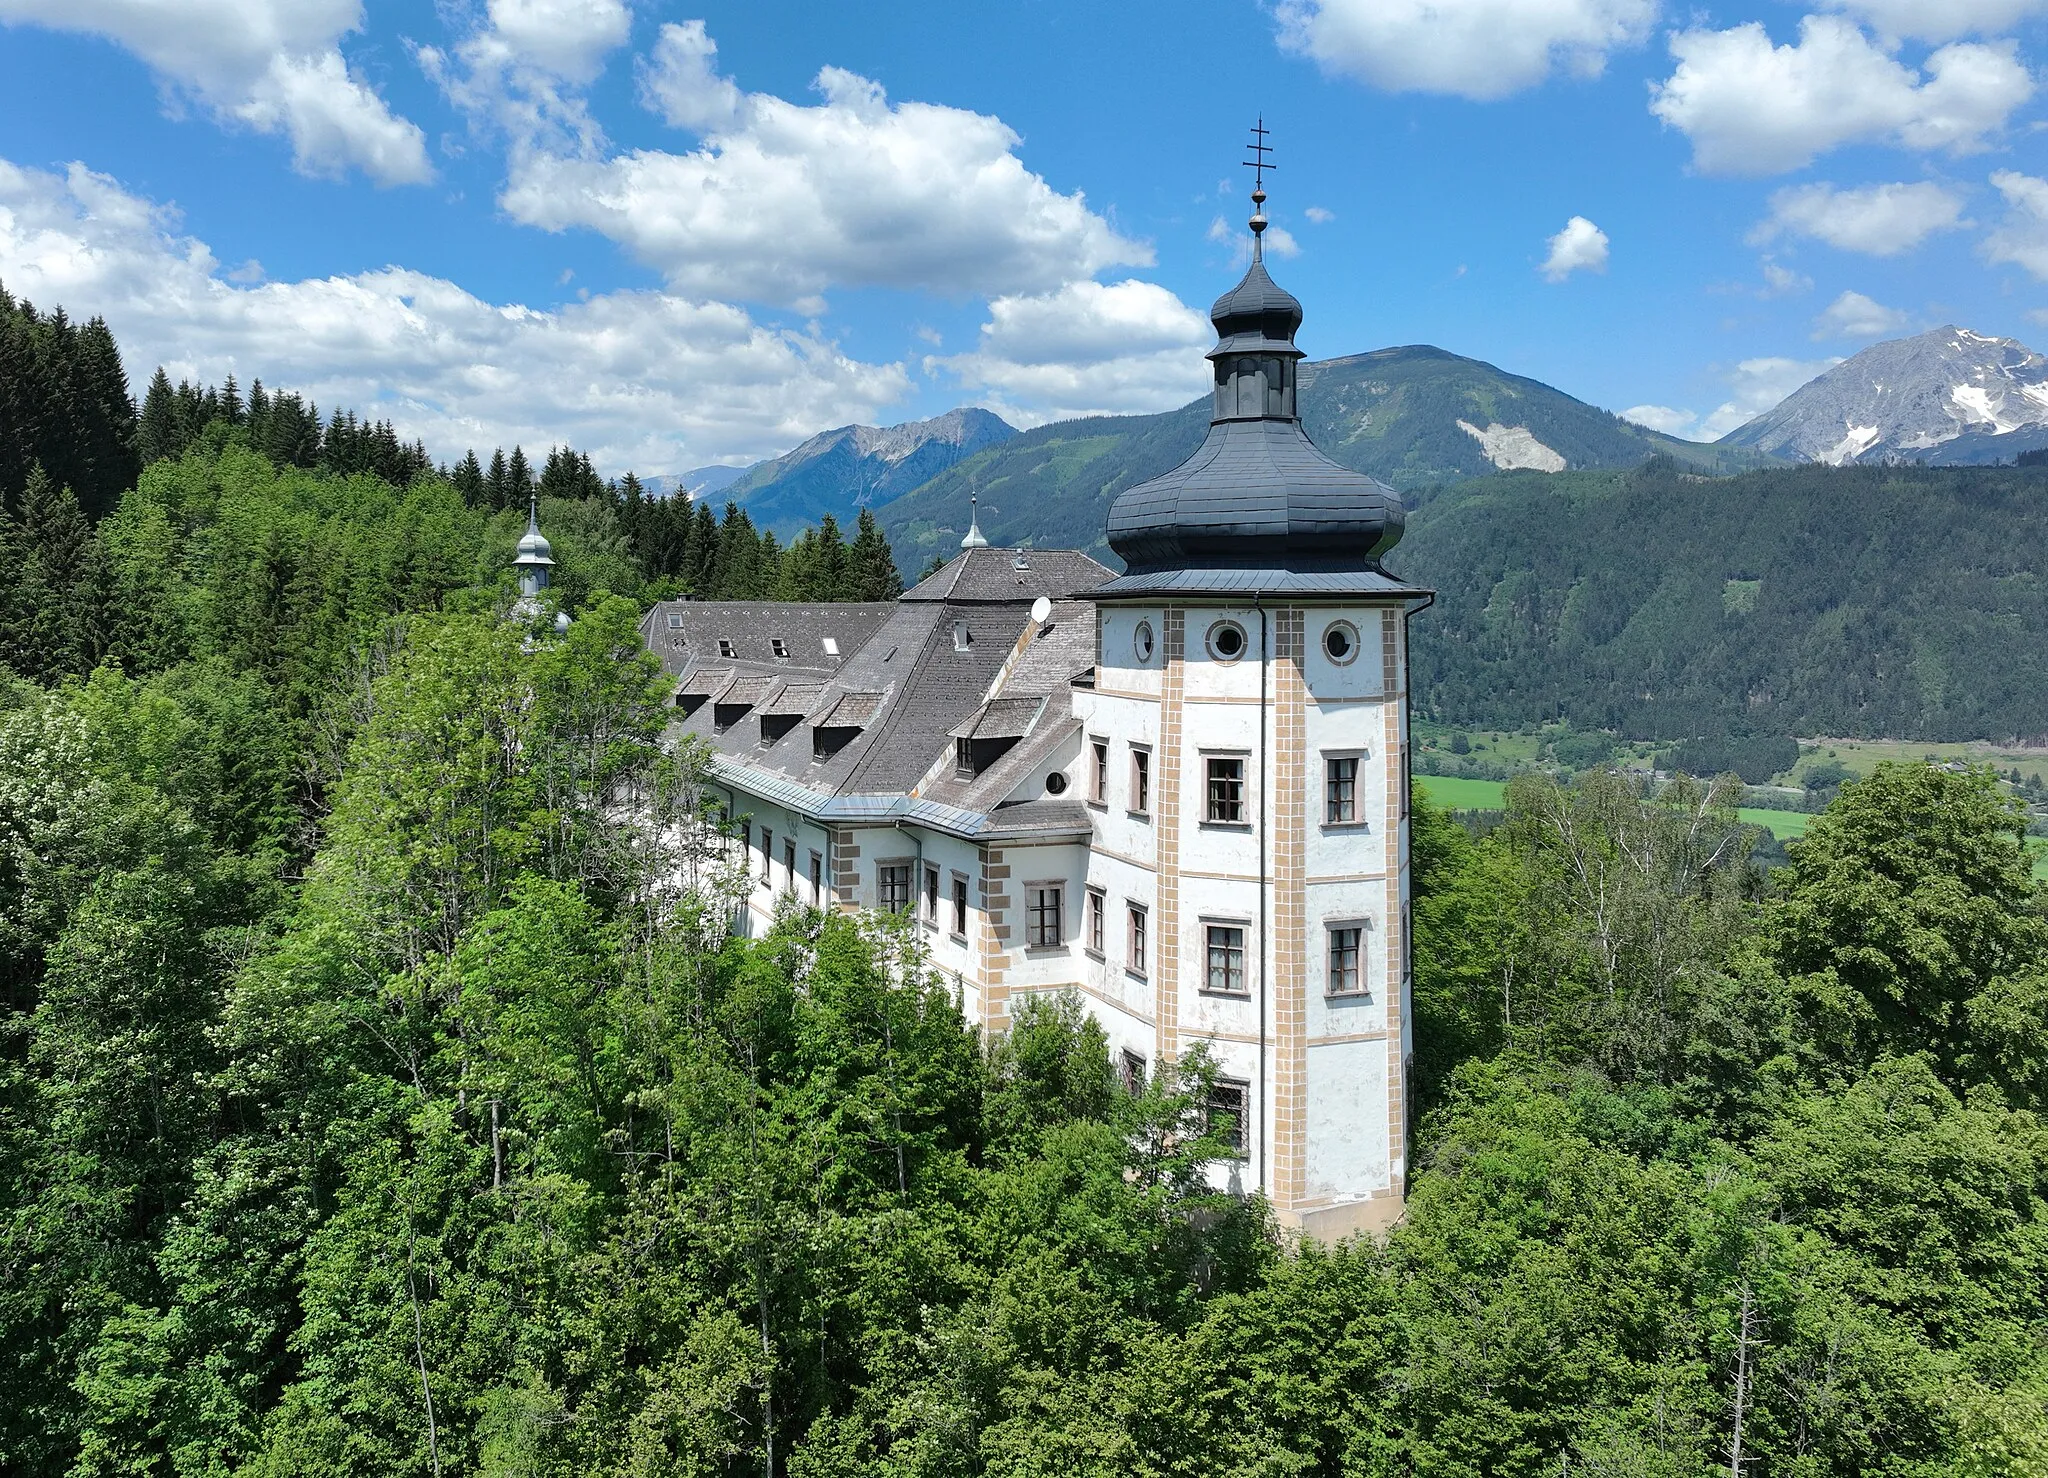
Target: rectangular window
{"x": 725, "y": 648}
{"x": 1131, "y": 1068}
{"x": 1340, "y": 789}
{"x": 1226, "y": 959}
{"x": 789, "y": 864}
{"x": 1097, "y": 907}
{"x": 1226, "y": 787}
{"x": 963, "y": 758}
{"x": 675, "y": 620}
{"x": 1227, "y": 1109}
{"x": 893, "y": 886}
{"x": 1042, "y": 918}
{"x": 1098, "y": 771}
{"x": 1346, "y": 979}
{"x": 931, "y": 895}
{"x": 1141, "y": 779}
{"x": 781, "y": 647}
{"x": 767, "y": 855}
{"x": 817, "y": 880}
{"x": 1135, "y": 955}
{"x": 959, "y": 906}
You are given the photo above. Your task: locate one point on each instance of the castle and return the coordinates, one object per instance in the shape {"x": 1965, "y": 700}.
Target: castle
{"x": 1180, "y": 792}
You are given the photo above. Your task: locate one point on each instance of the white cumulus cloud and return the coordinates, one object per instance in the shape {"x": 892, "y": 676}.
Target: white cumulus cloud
{"x": 273, "y": 65}
{"x": 1580, "y": 247}
{"x": 2022, "y": 238}
{"x": 1882, "y": 220}
{"x": 1940, "y": 20}
{"x": 1481, "y": 49}
{"x": 1757, "y": 385}
{"x": 1087, "y": 348}
{"x": 1854, "y": 316}
{"x": 783, "y": 200}
{"x": 646, "y": 380}
{"x": 1752, "y": 108}
{"x": 1662, "y": 418}
{"x": 680, "y": 80}
{"x": 524, "y": 65}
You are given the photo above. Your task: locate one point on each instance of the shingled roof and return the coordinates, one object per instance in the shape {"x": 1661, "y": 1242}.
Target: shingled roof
{"x": 1004, "y": 576}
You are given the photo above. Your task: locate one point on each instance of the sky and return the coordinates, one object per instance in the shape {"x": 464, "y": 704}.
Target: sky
{"x": 680, "y": 234}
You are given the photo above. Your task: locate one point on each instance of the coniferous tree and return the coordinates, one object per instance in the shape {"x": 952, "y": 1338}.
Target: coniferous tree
{"x": 231, "y": 409}
{"x": 159, "y": 434}
{"x": 498, "y": 482}
{"x": 468, "y": 478}
{"x": 518, "y": 480}
{"x": 871, "y": 568}
{"x": 56, "y": 538}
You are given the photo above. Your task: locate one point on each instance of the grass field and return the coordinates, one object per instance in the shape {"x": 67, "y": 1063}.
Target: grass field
{"x": 1486, "y": 795}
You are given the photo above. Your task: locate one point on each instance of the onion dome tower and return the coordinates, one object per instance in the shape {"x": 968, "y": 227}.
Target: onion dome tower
{"x": 534, "y": 559}
{"x": 1257, "y": 507}
{"x": 535, "y": 556}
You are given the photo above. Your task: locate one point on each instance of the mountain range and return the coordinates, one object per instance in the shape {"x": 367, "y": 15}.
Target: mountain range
{"x": 1945, "y": 397}
{"x": 852, "y": 467}
{"x": 1415, "y": 417}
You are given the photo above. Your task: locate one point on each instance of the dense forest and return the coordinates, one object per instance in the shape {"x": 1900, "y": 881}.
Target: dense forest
{"x": 381, "y": 1095}
{"x": 1899, "y": 602}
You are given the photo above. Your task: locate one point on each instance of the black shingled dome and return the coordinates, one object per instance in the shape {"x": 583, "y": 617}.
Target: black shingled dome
{"x": 1256, "y": 495}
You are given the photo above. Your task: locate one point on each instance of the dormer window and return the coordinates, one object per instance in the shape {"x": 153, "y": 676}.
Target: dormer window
{"x": 963, "y": 758}
{"x": 725, "y": 647}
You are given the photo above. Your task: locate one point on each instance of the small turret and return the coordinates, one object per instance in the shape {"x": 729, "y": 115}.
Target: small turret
{"x": 535, "y": 556}
{"x": 975, "y": 538}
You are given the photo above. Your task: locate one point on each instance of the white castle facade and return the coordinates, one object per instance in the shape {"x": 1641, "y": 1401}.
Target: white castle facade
{"x": 1180, "y": 792}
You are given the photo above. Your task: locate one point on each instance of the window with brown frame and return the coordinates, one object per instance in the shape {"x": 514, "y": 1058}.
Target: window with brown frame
{"x": 1340, "y": 789}
{"x": 1141, "y": 779}
{"x": 1225, "y": 973}
{"x": 1225, "y": 774}
{"x": 1042, "y": 908}
{"x": 1347, "y": 960}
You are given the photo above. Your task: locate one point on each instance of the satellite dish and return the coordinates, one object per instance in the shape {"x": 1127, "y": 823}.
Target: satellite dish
{"x": 1040, "y": 609}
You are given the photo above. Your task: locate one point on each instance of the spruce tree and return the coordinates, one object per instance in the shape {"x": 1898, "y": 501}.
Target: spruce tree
{"x": 56, "y": 537}
{"x": 498, "y": 483}
{"x": 518, "y": 480}
{"x": 469, "y": 480}
{"x": 871, "y": 569}
{"x": 159, "y": 436}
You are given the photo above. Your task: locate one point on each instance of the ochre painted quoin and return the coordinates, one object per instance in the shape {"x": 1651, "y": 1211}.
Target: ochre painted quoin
{"x": 974, "y": 750}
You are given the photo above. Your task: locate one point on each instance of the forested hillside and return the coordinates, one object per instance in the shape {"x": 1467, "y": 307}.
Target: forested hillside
{"x": 380, "y": 1093}
{"x": 1862, "y": 601}
{"x": 1393, "y": 413}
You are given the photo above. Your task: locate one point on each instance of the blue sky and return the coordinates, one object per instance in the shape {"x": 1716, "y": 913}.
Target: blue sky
{"x": 679, "y": 234}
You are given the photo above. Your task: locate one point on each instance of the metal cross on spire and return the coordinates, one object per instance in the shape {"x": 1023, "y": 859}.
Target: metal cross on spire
{"x": 1258, "y": 164}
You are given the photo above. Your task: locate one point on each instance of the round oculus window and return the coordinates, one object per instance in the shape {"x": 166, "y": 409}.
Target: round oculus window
{"x": 1226, "y": 641}
{"x": 1340, "y": 642}
{"x": 1141, "y": 641}
{"x": 1056, "y": 783}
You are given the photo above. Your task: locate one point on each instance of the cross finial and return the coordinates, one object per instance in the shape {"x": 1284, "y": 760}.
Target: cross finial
{"x": 1258, "y": 164}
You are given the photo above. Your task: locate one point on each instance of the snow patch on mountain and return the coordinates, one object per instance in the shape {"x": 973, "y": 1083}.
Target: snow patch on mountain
{"x": 1512, "y": 447}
